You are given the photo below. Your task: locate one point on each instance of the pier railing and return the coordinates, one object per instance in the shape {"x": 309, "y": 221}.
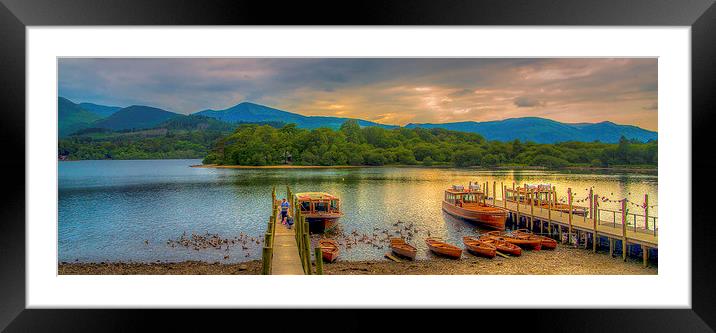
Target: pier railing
{"x": 536, "y": 211}
{"x": 303, "y": 239}
{"x": 267, "y": 252}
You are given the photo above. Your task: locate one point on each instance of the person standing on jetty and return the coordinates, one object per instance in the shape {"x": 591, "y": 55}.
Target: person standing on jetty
{"x": 284, "y": 210}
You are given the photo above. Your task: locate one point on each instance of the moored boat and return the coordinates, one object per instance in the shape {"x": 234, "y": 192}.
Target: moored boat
{"x": 547, "y": 243}
{"x": 525, "y": 242}
{"x": 400, "y": 247}
{"x": 469, "y": 204}
{"x": 478, "y": 247}
{"x": 440, "y": 247}
{"x": 502, "y": 245}
{"x": 329, "y": 249}
{"x": 320, "y": 209}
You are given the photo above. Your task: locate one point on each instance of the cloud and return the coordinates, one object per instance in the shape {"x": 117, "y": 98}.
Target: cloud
{"x": 392, "y": 90}
{"x": 527, "y": 102}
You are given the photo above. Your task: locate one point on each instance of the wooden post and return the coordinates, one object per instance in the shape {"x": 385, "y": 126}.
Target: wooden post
{"x": 319, "y": 261}
{"x": 569, "y": 199}
{"x": 624, "y": 229}
{"x": 504, "y": 196}
{"x": 532, "y": 210}
{"x": 517, "y": 223}
{"x": 549, "y": 212}
{"x": 593, "y": 202}
{"x": 646, "y": 212}
{"x": 611, "y": 247}
{"x": 645, "y": 255}
{"x": 307, "y": 250}
{"x": 494, "y": 192}
{"x": 266, "y": 261}
{"x": 267, "y": 240}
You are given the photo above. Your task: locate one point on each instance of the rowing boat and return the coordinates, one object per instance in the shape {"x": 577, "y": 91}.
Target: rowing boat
{"x": 478, "y": 247}
{"x": 547, "y": 243}
{"x": 400, "y": 247}
{"x": 502, "y": 245}
{"x": 440, "y": 247}
{"x": 329, "y": 249}
{"x": 524, "y": 241}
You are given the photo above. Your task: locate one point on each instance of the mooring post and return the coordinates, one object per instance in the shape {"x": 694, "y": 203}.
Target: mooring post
{"x": 517, "y": 223}
{"x": 532, "y": 210}
{"x": 591, "y": 202}
{"x": 569, "y": 217}
{"x": 266, "y": 261}
{"x": 624, "y": 230}
{"x": 645, "y": 255}
{"x": 308, "y": 253}
{"x": 611, "y": 247}
{"x": 319, "y": 261}
{"x": 593, "y": 211}
{"x": 494, "y": 192}
{"x": 646, "y": 212}
{"x": 504, "y": 196}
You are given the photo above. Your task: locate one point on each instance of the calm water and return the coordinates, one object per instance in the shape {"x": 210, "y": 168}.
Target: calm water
{"x": 127, "y": 210}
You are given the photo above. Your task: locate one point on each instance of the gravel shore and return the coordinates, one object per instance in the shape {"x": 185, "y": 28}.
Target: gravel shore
{"x": 562, "y": 261}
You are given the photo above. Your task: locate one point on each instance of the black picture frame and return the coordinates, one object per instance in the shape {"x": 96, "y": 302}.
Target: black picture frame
{"x": 16, "y": 15}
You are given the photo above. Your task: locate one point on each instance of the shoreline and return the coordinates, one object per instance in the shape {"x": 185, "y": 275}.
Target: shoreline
{"x": 284, "y": 166}
{"x": 565, "y": 260}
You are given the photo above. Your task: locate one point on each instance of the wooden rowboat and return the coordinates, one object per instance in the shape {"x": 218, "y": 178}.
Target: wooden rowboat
{"x": 547, "y": 243}
{"x": 478, "y": 247}
{"x": 525, "y": 242}
{"x": 502, "y": 245}
{"x": 400, "y": 247}
{"x": 329, "y": 249}
{"x": 440, "y": 247}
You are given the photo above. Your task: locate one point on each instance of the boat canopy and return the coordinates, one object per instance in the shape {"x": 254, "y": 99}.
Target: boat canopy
{"x": 315, "y": 196}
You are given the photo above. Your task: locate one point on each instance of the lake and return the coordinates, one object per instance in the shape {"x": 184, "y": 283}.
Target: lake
{"x": 128, "y": 210}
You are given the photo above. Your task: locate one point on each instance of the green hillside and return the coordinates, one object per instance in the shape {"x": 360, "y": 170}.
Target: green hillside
{"x": 71, "y": 117}
{"x": 135, "y": 117}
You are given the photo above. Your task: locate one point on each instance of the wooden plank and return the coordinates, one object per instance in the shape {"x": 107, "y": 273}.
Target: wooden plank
{"x": 501, "y": 254}
{"x": 392, "y": 257}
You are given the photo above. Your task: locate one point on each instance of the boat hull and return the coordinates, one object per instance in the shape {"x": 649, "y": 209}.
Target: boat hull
{"x": 479, "y": 248}
{"x": 503, "y": 246}
{"x": 535, "y": 244}
{"x": 320, "y": 224}
{"x": 399, "y": 247}
{"x": 329, "y": 250}
{"x": 493, "y": 218}
{"x": 444, "y": 249}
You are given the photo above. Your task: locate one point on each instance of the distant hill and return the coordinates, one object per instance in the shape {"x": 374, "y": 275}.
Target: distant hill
{"x": 71, "y": 117}
{"x": 251, "y": 112}
{"x": 135, "y": 117}
{"x": 542, "y": 130}
{"x": 103, "y": 111}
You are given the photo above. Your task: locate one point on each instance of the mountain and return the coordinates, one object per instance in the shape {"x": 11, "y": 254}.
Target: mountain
{"x": 71, "y": 117}
{"x": 251, "y": 112}
{"x": 542, "y": 130}
{"x": 103, "y": 111}
{"x": 135, "y": 117}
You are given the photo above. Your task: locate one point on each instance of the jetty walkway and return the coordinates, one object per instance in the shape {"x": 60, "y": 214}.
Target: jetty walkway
{"x": 288, "y": 251}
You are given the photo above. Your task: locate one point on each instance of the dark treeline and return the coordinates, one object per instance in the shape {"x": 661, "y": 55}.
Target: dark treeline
{"x": 353, "y": 145}
{"x": 155, "y": 144}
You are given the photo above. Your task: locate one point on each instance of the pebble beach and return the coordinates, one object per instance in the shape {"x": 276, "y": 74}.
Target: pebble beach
{"x": 564, "y": 260}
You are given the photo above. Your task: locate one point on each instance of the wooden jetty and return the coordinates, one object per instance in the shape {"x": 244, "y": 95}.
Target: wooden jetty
{"x": 546, "y": 216}
{"x": 287, "y": 251}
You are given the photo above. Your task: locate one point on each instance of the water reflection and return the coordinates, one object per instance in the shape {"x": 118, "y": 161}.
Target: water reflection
{"x": 108, "y": 209}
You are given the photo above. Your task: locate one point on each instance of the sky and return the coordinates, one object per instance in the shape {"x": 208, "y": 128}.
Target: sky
{"x": 394, "y": 91}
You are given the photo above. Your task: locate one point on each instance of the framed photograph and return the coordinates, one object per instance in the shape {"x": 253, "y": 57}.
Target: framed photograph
{"x": 463, "y": 156}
